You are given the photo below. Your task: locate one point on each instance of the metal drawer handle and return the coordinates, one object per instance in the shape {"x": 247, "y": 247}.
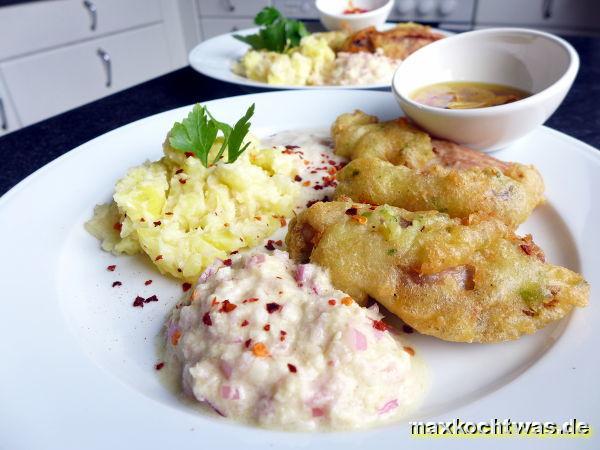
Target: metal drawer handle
{"x": 91, "y": 7}
{"x": 3, "y": 118}
{"x": 230, "y": 5}
{"x": 105, "y": 57}
{"x": 547, "y": 9}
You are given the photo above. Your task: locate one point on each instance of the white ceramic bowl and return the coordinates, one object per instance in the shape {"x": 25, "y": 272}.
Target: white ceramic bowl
{"x": 534, "y": 61}
{"x": 333, "y": 18}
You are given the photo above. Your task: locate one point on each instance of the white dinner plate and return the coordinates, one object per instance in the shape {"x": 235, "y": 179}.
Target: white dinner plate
{"x": 77, "y": 360}
{"x": 215, "y": 58}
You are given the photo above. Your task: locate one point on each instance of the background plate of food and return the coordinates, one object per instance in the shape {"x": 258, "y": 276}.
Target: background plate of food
{"x": 365, "y": 59}
{"x": 175, "y": 303}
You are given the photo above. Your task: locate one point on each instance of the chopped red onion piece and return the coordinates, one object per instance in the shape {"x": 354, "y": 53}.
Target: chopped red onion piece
{"x": 392, "y": 404}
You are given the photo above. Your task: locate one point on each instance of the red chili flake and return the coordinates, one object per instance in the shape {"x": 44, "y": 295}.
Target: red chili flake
{"x": 273, "y": 307}
{"x": 175, "y": 337}
{"x": 313, "y": 171}
{"x": 139, "y": 301}
{"x": 157, "y": 223}
{"x": 158, "y": 258}
{"x": 244, "y": 323}
{"x": 298, "y": 178}
{"x": 379, "y": 325}
{"x": 352, "y": 211}
{"x": 250, "y": 300}
{"x": 331, "y": 302}
{"x": 317, "y": 187}
{"x": 111, "y": 268}
{"x": 182, "y": 181}
{"x": 267, "y": 327}
{"x": 118, "y": 226}
{"x": 292, "y": 368}
{"x": 178, "y": 171}
{"x": 247, "y": 343}
{"x": 159, "y": 365}
{"x": 147, "y": 282}
{"x": 116, "y": 283}
{"x": 409, "y": 350}
{"x": 186, "y": 287}
{"x": 152, "y": 298}
{"x": 311, "y": 202}
{"x": 282, "y": 334}
{"x": 407, "y": 329}
{"x": 291, "y": 147}
{"x": 227, "y": 306}
{"x": 189, "y": 154}
{"x": 270, "y": 245}
{"x": 206, "y": 320}
{"x": 214, "y": 301}
{"x": 227, "y": 262}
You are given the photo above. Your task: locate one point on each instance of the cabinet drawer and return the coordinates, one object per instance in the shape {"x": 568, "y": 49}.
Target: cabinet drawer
{"x": 550, "y": 13}
{"x": 8, "y": 118}
{"x": 215, "y": 27}
{"x": 39, "y": 25}
{"x": 48, "y": 83}
{"x": 247, "y": 8}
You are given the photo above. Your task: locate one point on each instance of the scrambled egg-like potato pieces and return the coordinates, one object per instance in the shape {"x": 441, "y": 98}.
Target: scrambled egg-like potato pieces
{"x": 397, "y": 164}
{"x": 465, "y": 281}
{"x": 304, "y": 65}
{"x": 184, "y": 215}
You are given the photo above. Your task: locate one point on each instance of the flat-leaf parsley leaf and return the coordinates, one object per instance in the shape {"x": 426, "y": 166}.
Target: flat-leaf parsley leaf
{"x": 278, "y": 34}
{"x": 198, "y": 132}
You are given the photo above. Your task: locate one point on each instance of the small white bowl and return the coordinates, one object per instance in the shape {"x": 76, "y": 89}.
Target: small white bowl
{"x": 537, "y": 62}
{"x": 333, "y": 17}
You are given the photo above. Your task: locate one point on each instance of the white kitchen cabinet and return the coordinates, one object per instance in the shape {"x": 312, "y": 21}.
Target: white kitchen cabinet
{"x": 226, "y": 8}
{"x": 572, "y": 14}
{"x": 41, "y": 25}
{"x": 54, "y": 81}
{"x": 8, "y": 118}
{"x": 214, "y": 27}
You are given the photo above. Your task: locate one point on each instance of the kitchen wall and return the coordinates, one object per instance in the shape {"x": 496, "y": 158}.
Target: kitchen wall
{"x": 56, "y": 55}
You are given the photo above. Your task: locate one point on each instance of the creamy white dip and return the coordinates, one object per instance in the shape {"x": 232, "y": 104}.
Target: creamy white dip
{"x": 268, "y": 342}
{"x": 362, "y": 68}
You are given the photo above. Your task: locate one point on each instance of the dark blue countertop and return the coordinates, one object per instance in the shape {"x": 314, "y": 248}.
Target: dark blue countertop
{"x": 24, "y": 151}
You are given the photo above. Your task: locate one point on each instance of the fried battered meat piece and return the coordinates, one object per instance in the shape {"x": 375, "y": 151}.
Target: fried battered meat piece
{"x": 397, "y": 43}
{"x": 396, "y": 163}
{"x": 459, "y": 280}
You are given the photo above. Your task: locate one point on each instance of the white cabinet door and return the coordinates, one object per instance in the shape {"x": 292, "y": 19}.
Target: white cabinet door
{"x": 247, "y": 8}
{"x": 215, "y": 27}
{"x": 550, "y": 13}
{"x": 40, "y": 25}
{"x": 48, "y": 83}
{"x": 8, "y": 119}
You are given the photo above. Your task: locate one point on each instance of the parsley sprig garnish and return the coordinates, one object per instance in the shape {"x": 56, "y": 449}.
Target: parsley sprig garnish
{"x": 198, "y": 132}
{"x": 278, "y": 34}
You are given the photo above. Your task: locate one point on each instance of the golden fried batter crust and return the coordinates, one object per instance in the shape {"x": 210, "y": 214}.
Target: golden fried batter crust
{"x": 469, "y": 280}
{"x": 397, "y": 43}
{"x": 398, "y": 164}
